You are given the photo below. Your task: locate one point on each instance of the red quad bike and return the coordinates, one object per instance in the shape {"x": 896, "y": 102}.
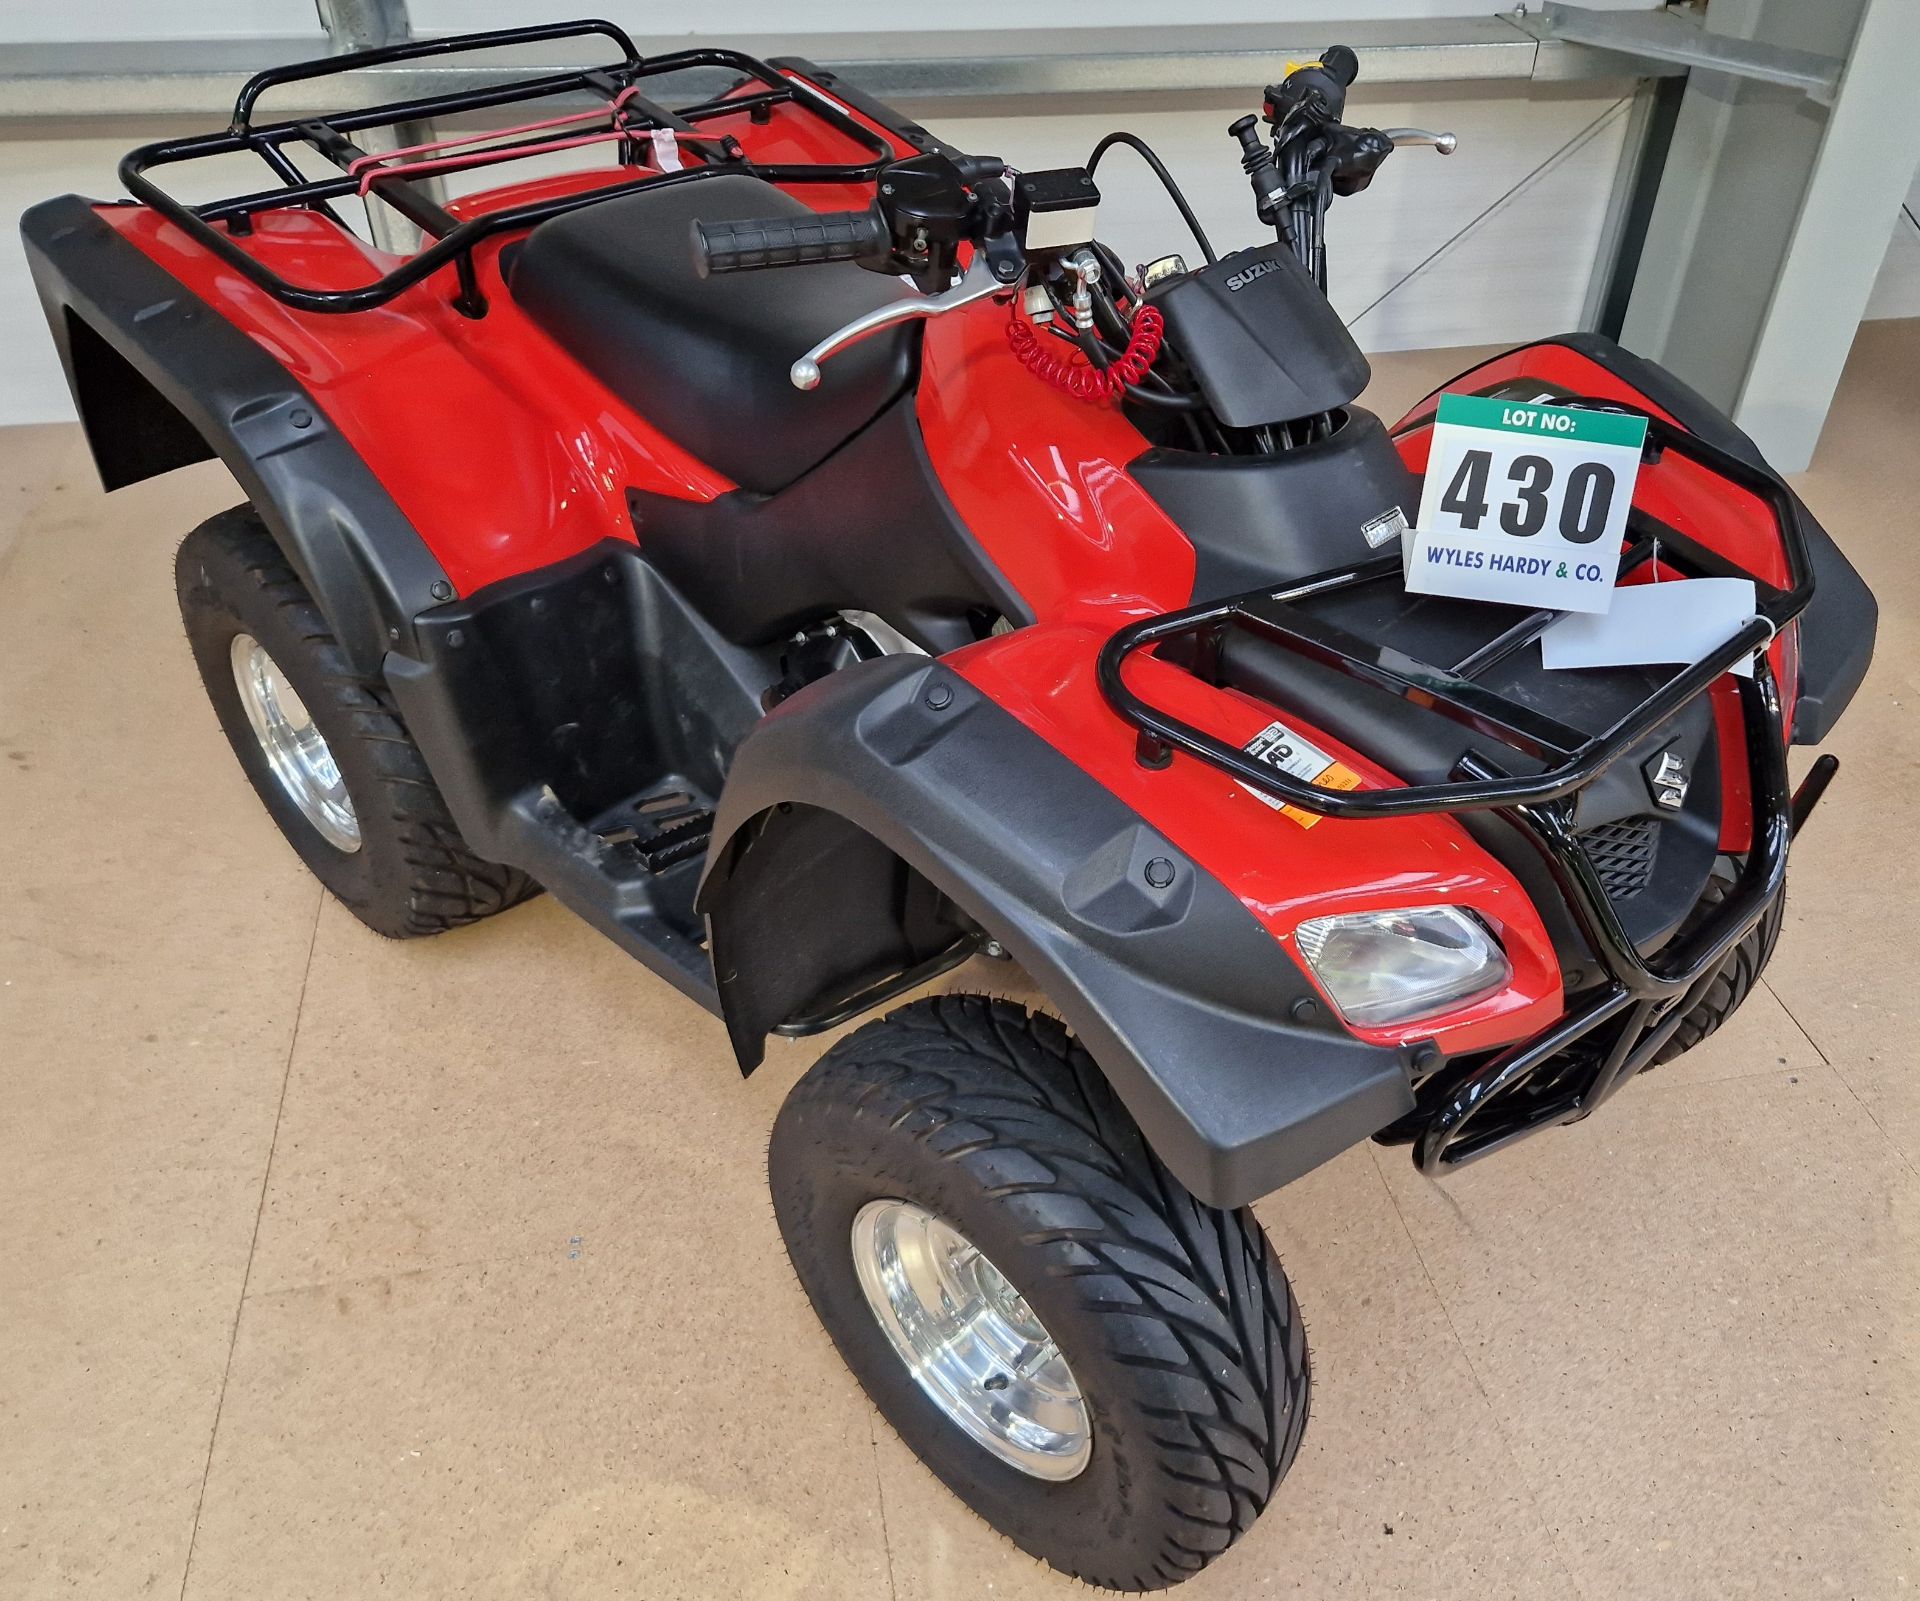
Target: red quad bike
{"x": 953, "y": 590}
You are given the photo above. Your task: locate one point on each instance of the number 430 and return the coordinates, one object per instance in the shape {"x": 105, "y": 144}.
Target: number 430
{"x": 1585, "y": 498}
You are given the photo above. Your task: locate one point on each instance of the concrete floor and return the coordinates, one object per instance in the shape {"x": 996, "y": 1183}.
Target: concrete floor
{"x": 333, "y": 1267}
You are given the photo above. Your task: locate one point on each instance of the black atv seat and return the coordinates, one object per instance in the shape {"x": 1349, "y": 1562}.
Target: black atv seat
{"x": 705, "y": 359}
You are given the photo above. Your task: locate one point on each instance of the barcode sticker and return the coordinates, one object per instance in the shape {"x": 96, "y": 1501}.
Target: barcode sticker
{"x": 1279, "y": 747}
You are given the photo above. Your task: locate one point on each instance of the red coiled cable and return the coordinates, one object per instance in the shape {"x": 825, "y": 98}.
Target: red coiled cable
{"x": 1070, "y": 370}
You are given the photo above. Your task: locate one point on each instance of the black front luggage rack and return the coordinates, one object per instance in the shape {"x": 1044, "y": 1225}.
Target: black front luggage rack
{"x": 630, "y": 112}
{"x": 1645, "y": 997}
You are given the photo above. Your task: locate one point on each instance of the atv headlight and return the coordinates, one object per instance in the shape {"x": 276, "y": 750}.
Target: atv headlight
{"x": 1385, "y": 967}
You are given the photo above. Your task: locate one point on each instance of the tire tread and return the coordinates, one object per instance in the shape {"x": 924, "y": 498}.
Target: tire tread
{"x": 1732, "y": 984}
{"x": 1224, "y": 1376}
{"x": 449, "y": 886}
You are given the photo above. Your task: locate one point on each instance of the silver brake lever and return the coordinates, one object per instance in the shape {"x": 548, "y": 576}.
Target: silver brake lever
{"x": 976, "y": 284}
{"x": 1442, "y": 142}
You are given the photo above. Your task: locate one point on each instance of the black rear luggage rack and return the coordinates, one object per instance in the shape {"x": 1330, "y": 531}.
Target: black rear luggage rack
{"x": 1647, "y": 996}
{"x": 629, "y": 111}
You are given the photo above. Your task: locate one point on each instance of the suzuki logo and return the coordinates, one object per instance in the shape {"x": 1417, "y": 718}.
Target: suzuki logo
{"x": 1667, "y": 778}
{"x": 1246, "y": 275}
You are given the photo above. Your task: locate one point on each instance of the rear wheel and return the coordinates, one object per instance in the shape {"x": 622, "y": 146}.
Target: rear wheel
{"x": 1110, "y": 1373}
{"x": 324, "y": 746}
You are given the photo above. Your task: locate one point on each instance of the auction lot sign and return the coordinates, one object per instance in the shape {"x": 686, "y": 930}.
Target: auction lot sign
{"x": 1525, "y": 503}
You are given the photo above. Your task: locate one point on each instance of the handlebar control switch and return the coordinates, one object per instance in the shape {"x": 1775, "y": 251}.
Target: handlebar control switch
{"x": 1053, "y": 211}
{"x": 928, "y": 211}
{"x": 1314, "y": 93}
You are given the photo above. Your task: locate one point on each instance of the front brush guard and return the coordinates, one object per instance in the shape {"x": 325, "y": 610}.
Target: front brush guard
{"x": 1616, "y": 1030}
{"x": 1646, "y": 999}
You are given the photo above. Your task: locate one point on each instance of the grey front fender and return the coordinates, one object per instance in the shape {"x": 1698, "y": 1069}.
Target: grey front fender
{"x": 1183, "y": 999}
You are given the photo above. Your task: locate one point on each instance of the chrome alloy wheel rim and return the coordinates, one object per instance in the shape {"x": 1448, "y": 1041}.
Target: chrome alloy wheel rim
{"x": 970, "y": 1340}
{"x": 295, "y": 749}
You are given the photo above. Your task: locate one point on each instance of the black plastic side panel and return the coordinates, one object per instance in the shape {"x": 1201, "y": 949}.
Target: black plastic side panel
{"x": 545, "y": 701}
{"x": 869, "y": 529}
{"x": 1263, "y": 342}
{"x": 362, "y": 559}
{"x": 1181, "y": 996}
{"x": 1260, "y": 521}
{"x": 1838, "y": 627}
{"x": 1836, "y": 639}
{"x": 590, "y": 678}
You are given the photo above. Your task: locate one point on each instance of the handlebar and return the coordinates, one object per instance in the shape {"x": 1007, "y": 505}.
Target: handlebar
{"x": 748, "y": 244}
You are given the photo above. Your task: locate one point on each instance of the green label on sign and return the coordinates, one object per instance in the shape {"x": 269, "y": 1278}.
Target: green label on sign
{"x": 1551, "y": 422}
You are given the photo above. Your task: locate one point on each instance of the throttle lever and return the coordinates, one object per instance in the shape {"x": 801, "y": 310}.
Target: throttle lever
{"x": 978, "y": 283}
{"x": 1444, "y": 143}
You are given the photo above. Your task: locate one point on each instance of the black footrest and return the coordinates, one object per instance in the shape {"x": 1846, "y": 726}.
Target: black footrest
{"x": 679, "y": 842}
{"x": 660, "y": 827}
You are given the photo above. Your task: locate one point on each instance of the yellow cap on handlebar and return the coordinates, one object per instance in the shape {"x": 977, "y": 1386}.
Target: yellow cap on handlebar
{"x": 1300, "y": 66}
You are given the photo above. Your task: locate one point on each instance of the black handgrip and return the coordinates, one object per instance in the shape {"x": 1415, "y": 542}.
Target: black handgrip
{"x": 1340, "y": 64}
{"x": 742, "y": 246}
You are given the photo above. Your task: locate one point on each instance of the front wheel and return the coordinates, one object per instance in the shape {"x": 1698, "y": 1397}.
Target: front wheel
{"x": 1110, "y": 1373}
{"x": 1735, "y": 981}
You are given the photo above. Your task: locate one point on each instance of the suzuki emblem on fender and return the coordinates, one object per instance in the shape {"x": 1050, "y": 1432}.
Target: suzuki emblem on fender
{"x": 1246, "y": 275}
{"x": 1667, "y": 778}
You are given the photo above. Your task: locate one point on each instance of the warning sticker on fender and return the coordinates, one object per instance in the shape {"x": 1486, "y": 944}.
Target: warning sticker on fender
{"x": 1279, "y": 747}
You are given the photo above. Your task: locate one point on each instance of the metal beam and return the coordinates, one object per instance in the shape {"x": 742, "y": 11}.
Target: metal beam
{"x": 1865, "y": 164}
{"x": 364, "y": 24}
{"x": 1671, "y": 39}
{"x": 1630, "y": 203}
{"x": 372, "y": 25}
{"x": 198, "y": 78}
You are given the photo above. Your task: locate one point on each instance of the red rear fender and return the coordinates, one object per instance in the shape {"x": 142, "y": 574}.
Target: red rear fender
{"x": 499, "y": 449}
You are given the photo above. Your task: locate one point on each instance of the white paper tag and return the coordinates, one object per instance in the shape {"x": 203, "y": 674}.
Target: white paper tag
{"x": 666, "y": 150}
{"x": 1524, "y": 503}
{"x": 1676, "y": 621}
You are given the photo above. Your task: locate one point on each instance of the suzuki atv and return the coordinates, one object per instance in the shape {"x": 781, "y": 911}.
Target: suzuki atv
{"x": 806, "y": 551}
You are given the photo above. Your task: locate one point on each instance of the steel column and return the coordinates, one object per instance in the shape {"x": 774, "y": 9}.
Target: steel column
{"x": 1773, "y": 217}
{"x": 372, "y": 25}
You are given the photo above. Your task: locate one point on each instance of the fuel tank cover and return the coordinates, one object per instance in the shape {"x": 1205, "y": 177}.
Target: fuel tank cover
{"x": 1262, "y": 341}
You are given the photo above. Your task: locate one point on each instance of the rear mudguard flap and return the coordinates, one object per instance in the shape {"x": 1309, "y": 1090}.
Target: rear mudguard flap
{"x": 1186, "y": 1003}
{"x": 161, "y": 380}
